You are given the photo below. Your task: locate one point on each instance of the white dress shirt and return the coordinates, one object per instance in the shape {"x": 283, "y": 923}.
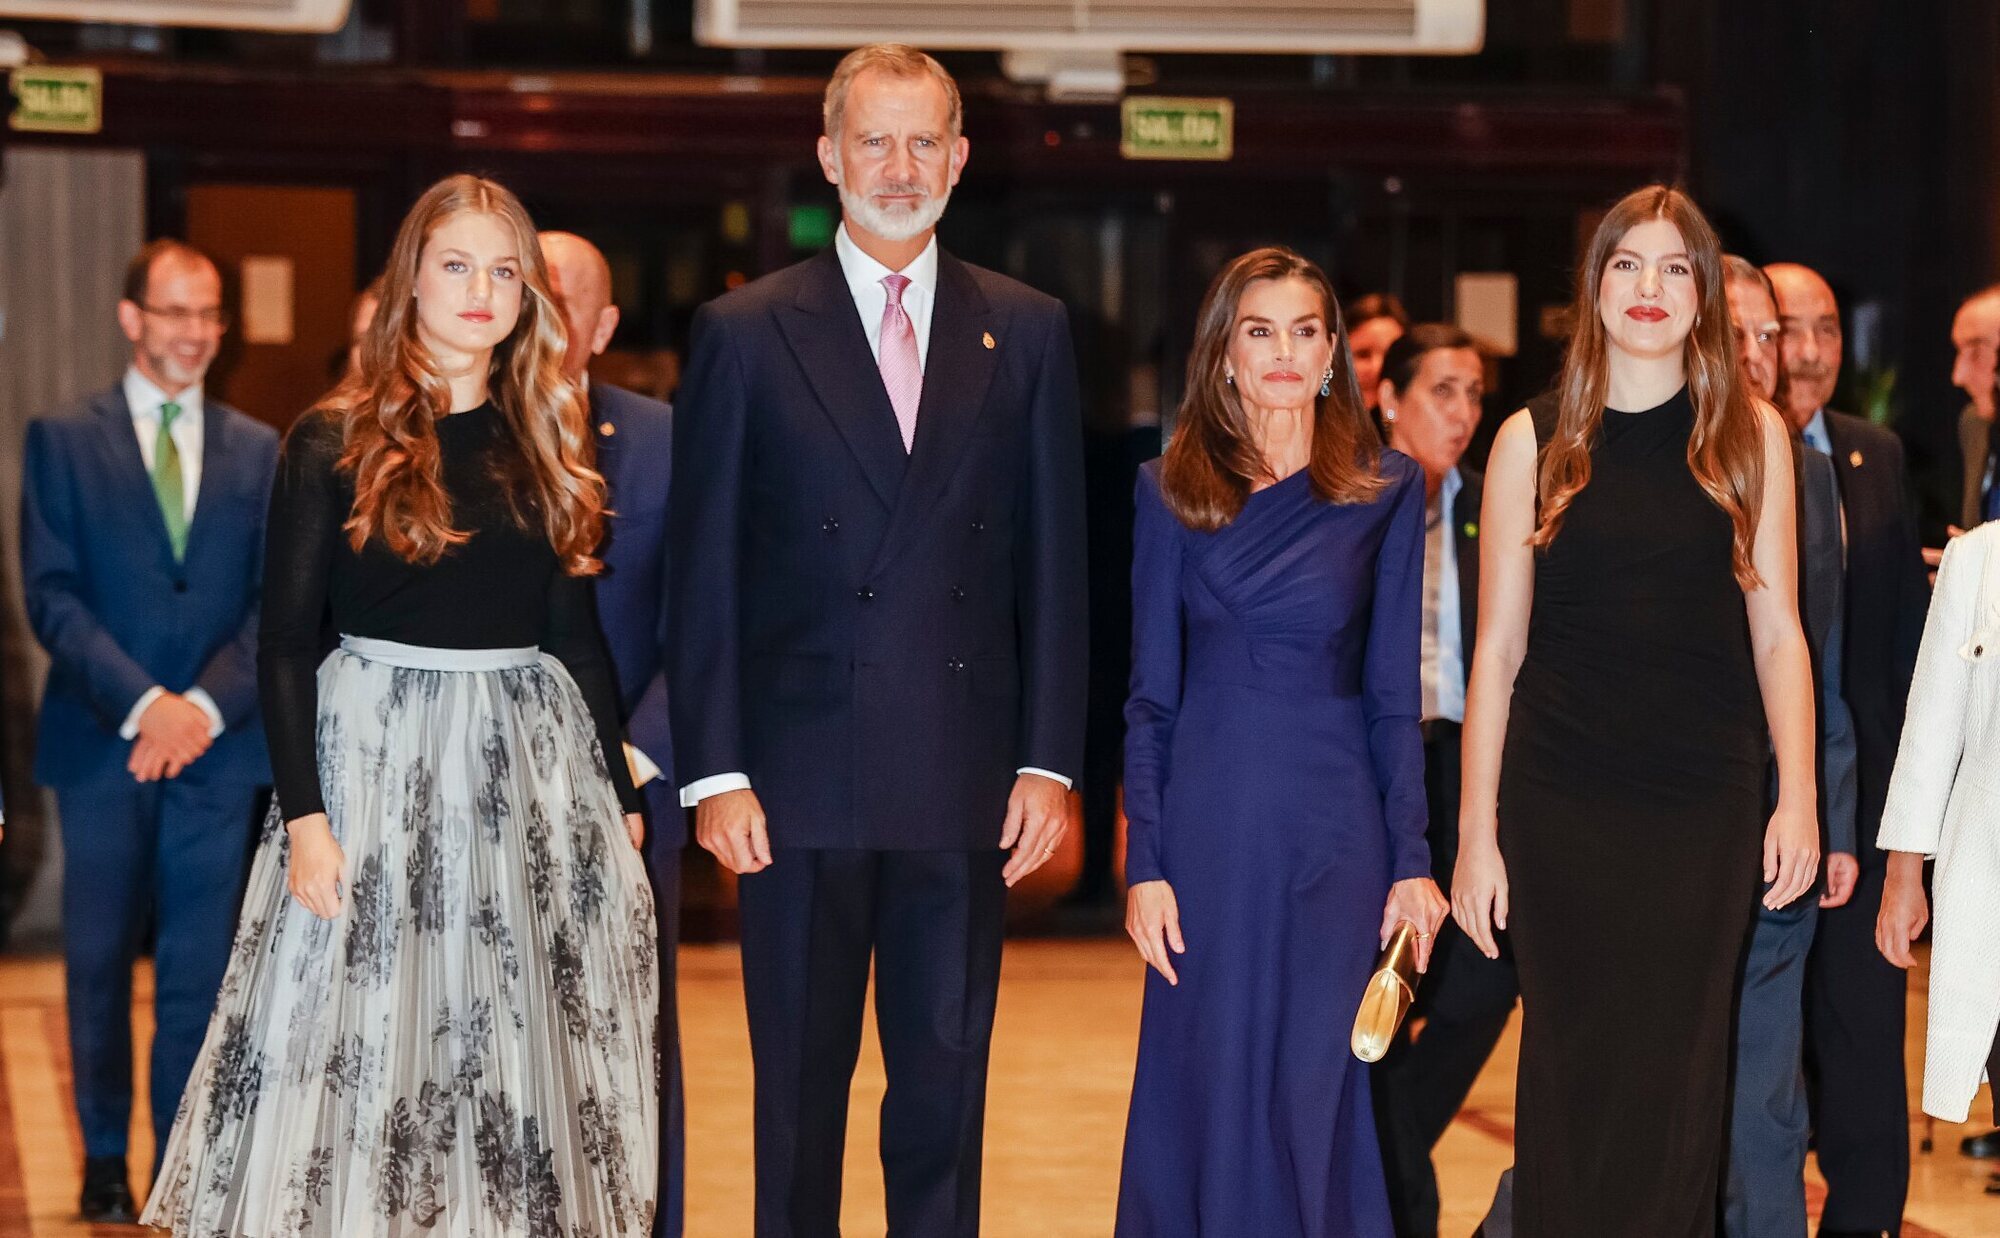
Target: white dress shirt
{"x": 145, "y": 399}
{"x": 864, "y": 283}
{"x": 1443, "y": 657}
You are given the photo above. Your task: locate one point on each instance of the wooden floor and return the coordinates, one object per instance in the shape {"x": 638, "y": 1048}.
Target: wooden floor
{"x": 1062, "y": 1065}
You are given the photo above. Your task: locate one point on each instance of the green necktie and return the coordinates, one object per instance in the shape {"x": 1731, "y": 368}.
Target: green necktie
{"x": 167, "y": 487}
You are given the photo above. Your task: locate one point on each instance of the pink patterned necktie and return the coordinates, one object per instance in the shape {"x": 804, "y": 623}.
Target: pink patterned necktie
{"x": 901, "y": 372}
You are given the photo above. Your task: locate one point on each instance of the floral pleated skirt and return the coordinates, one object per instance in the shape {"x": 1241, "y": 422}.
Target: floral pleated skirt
{"x": 468, "y": 1050}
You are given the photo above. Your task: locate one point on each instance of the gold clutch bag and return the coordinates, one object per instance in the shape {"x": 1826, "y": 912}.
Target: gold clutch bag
{"x": 1388, "y": 996}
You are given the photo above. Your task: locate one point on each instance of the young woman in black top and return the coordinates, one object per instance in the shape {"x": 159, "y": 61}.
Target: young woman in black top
{"x": 447, "y": 1028}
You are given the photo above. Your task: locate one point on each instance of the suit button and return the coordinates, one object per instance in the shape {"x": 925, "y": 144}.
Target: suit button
{"x": 979, "y": 526}
{"x": 865, "y": 593}
{"x": 957, "y": 594}
{"x": 830, "y": 525}
{"x": 956, "y": 664}
{"x": 180, "y": 586}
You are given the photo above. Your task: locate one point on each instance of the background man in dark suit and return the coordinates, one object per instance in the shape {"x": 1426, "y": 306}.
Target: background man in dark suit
{"x": 1432, "y": 381}
{"x": 1854, "y": 997}
{"x": 635, "y": 454}
{"x": 877, "y": 647}
{"x": 142, "y": 545}
{"x": 1764, "y": 1190}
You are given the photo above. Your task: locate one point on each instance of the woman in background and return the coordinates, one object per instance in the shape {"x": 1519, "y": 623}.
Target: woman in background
{"x": 447, "y": 1028}
{"x": 1274, "y": 777}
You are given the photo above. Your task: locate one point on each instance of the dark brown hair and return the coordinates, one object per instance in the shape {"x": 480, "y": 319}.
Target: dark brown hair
{"x": 139, "y": 271}
{"x": 1405, "y": 357}
{"x": 1370, "y": 306}
{"x": 1213, "y": 459}
{"x": 1726, "y": 450}
{"x": 391, "y": 405}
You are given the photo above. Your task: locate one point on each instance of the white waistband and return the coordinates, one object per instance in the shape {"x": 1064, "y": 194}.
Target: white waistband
{"x": 427, "y": 658}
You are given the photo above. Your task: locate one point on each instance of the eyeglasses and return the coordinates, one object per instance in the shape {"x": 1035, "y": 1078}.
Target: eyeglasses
{"x": 182, "y": 316}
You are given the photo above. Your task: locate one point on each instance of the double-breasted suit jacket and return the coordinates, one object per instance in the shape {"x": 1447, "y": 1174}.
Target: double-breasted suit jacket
{"x": 878, "y": 639}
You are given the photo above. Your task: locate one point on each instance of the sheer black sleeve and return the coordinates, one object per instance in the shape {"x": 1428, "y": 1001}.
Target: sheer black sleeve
{"x": 301, "y": 536}
{"x": 574, "y": 637}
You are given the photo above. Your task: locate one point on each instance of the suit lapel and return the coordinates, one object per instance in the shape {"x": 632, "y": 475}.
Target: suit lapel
{"x": 128, "y": 467}
{"x": 1849, "y": 463}
{"x": 824, "y": 331}
{"x": 1465, "y": 516}
{"x": 964, "y": 348}
{"x": 215, "y": 462}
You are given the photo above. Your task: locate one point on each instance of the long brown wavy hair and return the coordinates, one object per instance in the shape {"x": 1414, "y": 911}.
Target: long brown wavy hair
{"x": 391, "y": 404}
{"x": 1213, "y": 460}
{"x": 1726, "y": 450}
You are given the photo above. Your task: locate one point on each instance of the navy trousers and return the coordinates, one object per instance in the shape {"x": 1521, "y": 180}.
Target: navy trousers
{"x": 1855, "y": 1014}
{"x": 1764, "y": 1190}
{"x": 663, "y": 864}
{"x": 173, "y": 855}
{"x": 932, "y": 921}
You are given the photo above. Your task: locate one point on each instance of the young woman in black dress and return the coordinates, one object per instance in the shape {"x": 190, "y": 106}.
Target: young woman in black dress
{"x": 439, "y": 1019}
{"x": 1638, "y": 625}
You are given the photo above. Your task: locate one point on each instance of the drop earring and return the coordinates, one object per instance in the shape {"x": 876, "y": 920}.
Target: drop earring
{"x": 1326, "y": 385}
{"x": 1229, "y": 378}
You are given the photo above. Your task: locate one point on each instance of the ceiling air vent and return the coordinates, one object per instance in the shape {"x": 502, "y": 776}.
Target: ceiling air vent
{"x": 1331, "y": 26}
{"x": 295, "y": 15}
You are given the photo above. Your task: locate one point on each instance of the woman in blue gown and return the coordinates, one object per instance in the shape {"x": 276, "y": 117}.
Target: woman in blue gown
{"x": 1273, "y": 773}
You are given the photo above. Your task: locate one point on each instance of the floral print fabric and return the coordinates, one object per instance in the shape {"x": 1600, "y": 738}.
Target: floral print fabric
{"x": 468, "y": 1050}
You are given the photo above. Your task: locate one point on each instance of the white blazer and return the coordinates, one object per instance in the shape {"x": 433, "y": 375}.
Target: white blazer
{"x": 1944, "y": 801}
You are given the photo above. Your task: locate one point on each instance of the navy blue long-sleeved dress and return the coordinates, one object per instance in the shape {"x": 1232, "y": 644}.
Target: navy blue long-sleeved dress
{"x": 1273, "y": 776}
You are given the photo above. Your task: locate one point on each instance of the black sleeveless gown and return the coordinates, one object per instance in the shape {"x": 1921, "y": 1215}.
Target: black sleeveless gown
{"x": 1631, "y": 812}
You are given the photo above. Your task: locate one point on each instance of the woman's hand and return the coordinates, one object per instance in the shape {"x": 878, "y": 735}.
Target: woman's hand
{"x": 1153, "y": 919}
{"x": 635, "y": 828}
{"x": 1904, "y": 909}
{"x": 1791, "y": 855}
{"x": 317, "y": 870}
{"x": 1479, "y": 895}
{"x": 1418, "y": 900}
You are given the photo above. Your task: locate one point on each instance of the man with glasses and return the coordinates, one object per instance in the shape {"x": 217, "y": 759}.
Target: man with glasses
{"x": 142, "y": 546}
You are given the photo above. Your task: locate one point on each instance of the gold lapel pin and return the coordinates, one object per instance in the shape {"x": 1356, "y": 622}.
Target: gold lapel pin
{"x": 1854, "y": 459}
{"x": 606, "y": 429}
{"x": 987, "y": 339}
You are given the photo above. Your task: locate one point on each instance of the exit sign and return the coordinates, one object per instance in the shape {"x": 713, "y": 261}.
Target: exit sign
{"x": 1159, "y": 128}
{"x": 51, "y": 99}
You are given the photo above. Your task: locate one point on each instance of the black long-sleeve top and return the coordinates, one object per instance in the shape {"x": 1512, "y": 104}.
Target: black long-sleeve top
{"x": 502, "y": 589}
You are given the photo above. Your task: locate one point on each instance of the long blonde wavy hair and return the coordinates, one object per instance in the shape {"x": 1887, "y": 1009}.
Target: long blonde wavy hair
{"x": 391, "y": 404}
{"x": 1726, "y": 450}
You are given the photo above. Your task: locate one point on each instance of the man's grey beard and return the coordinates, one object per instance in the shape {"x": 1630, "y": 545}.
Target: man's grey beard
{"x": 895, "y": 223}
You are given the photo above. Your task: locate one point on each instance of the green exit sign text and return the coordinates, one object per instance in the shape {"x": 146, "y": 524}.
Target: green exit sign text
{"x": 52, "y": 99}
{"x": 1158, "y": 128}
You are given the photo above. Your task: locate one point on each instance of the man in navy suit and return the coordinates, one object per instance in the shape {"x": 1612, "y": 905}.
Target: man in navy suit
{"x": 635, "y": 454}
{"x": 877, "y": 647}
{"x": 142, "y": 554}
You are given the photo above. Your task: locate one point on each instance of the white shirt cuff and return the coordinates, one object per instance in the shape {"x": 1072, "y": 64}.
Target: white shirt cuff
{"x": 1049, "y": 774}
{"x": 130, "y": 730}
{"x": 715, "y": 784}
{"x": 207, "y": 706}
{"x": 641, "y": 765}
